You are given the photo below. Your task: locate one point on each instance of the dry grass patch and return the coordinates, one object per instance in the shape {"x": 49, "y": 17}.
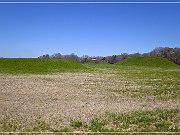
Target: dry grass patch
{"x": 60, "y": 98}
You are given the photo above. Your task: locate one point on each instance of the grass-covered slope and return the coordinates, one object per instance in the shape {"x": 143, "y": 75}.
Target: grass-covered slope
{"x": 39, "y": 66}
{"x": 147, "y": 61}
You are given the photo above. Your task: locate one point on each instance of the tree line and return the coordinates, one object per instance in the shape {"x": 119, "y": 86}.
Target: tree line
{"x": 172, "y": 54}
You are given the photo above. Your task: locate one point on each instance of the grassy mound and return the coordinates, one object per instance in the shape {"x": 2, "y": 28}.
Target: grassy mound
{"x": 147, "y": 61}
{"x": 30, "y": 65}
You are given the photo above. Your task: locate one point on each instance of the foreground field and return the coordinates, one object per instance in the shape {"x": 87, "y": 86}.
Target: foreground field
{"x": 104, "y": 98}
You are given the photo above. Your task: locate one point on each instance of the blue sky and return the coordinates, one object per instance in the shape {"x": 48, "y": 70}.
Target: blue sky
{"x": 30, "y": 30}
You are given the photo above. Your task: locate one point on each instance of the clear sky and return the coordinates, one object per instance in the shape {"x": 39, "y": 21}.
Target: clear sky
{"x": 31, "y": 30}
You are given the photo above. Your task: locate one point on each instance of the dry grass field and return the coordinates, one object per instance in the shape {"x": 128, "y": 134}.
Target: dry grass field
{"x": 106, "y": 98}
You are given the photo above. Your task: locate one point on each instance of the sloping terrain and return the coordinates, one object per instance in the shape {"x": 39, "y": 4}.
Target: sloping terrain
{"x": 109, "y": 97}
{"x": 147, "y": 61}
{"x": 38, "y": 66}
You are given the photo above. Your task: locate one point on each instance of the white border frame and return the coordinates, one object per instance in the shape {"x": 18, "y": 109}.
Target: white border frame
{"x": 79, "y": 132}
{"x": 148, "y": 2}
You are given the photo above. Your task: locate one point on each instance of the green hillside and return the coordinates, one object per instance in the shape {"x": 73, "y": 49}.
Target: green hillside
{"x": 147, "y": 61}
{"x": 30, "y": 65}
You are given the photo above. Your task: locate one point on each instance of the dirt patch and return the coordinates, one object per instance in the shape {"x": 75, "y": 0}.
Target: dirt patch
{"x": 57, "y": 99}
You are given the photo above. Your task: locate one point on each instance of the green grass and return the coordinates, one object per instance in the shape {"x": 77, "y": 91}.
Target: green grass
{"x": 76, "y": 123}
{"x": 158, "y": 82}
{"x": 159, "y": 120}
{"x": 147, "y": 61}
{"x": 38, "y": 66}
{"x": 161, "y": 82}
{"x": 41, "y": 66}
{"x": 158, "y": 79}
